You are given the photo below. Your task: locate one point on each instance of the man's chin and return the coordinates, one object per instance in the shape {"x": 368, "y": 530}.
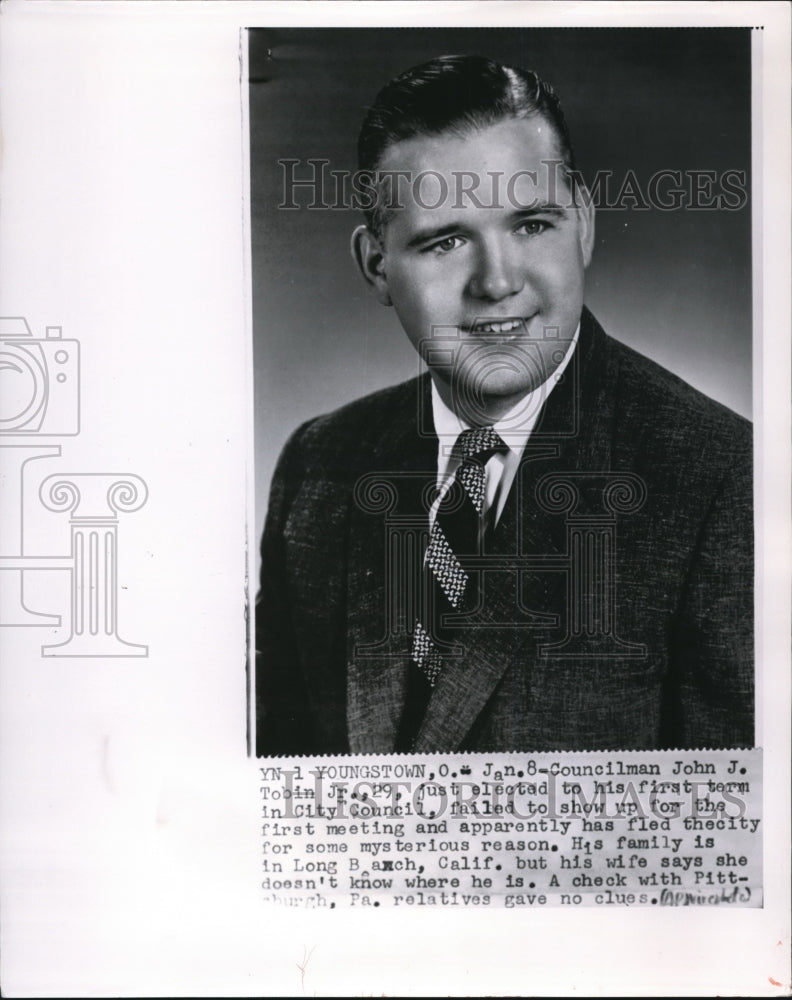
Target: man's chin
{"x": 486, "y": 403}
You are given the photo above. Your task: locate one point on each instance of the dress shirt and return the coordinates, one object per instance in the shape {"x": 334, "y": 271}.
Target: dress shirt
{"x": 514, "y": 428}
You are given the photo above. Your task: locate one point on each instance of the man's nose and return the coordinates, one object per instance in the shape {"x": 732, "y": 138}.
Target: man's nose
{"x": 497, "y": 274}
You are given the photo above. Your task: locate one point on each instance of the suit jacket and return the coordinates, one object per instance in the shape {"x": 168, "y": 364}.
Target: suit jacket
{"x": 617, "y": 586}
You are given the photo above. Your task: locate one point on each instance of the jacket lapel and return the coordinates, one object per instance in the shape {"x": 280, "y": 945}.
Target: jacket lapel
{"x": 388, "y": 528}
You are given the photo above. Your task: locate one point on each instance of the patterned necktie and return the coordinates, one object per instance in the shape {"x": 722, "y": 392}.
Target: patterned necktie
{"x": 447, "y": 586}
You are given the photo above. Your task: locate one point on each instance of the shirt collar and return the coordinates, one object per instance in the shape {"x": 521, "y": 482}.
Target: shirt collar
{"x": 516, "y": 425}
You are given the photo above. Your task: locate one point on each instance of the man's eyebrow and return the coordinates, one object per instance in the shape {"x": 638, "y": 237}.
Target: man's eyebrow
{"x": 541, "y": 208}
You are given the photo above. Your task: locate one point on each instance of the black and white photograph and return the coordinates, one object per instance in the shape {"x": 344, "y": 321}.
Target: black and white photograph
{"x": 543, "y": 540}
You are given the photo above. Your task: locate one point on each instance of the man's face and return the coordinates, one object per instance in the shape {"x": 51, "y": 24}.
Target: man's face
{"x": 487, "y": 281}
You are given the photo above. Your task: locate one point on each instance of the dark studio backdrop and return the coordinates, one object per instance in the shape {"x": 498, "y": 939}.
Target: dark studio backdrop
{"x": 675, "y": 285}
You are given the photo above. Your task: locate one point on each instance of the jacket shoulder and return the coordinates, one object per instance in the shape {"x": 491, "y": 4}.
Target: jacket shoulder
{"x": 662, "y": 407}
{"x": 346, "y": 437}
{"x": 364, "y": 416}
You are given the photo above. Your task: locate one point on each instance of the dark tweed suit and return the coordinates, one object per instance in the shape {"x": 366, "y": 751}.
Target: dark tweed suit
{"x": 618, "y": 584}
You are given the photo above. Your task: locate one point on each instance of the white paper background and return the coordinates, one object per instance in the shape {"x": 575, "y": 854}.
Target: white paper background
{"x": 129, "y": 811}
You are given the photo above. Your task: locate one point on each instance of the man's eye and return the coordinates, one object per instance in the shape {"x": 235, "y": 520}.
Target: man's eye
{"x": 533, "y": 227}
{"x": 444, "y": 246}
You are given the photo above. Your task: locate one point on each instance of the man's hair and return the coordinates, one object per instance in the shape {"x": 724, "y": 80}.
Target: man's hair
{"x": 454, "y": 94}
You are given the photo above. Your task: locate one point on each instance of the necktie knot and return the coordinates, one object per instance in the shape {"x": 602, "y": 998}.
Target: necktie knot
{"x": 479, "y": 443}
{"x": 473, "y": 449}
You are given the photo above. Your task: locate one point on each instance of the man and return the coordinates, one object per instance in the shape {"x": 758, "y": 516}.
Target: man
{"x": 545, "y": 542}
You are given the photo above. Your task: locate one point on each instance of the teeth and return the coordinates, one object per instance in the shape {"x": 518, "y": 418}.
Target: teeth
{"x": 506, "y": 327}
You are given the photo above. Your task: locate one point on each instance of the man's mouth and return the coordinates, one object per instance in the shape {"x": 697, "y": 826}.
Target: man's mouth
{"x": 508, "y": 328}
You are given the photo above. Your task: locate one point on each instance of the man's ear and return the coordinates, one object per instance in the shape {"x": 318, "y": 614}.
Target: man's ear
{"x": 370, "y": 259}
{"x": 585, "y": 211}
